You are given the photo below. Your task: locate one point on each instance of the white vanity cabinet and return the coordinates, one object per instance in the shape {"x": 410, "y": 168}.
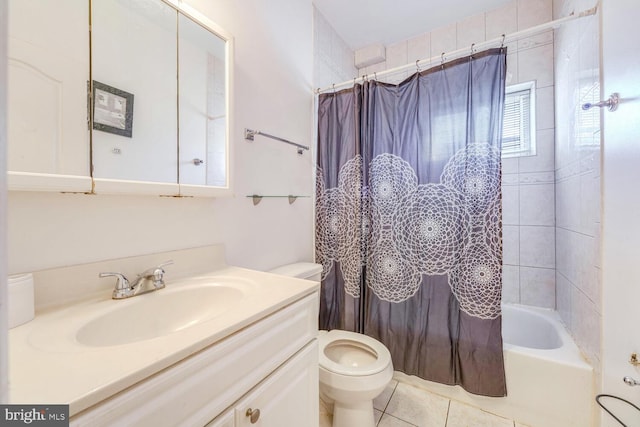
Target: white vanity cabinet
{"x": 287, "y": 398}
{"x": 270, "y": 366}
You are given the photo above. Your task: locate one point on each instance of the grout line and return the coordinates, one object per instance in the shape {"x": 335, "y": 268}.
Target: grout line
{"x": 400, "y": 419}
{"x": 446, "y": 420}
{"x": 390, "y": 397}
{"x": 384, "y": 410}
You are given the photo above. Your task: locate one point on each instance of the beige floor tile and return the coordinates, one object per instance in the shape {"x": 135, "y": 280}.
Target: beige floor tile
{"x": 418, "y": 407}
{"x": 382, "y": 400}
{"x": 377, "y": 415}
{"x": 461, "y": 415}
{"x": 389, "y": 421}
{"x": 521, "y": 425}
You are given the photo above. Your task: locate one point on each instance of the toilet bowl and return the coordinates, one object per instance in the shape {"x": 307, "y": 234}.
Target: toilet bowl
{"x": 353, "y": 368}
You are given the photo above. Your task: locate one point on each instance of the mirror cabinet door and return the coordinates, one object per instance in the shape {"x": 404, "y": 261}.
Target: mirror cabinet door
{"x": 202, "y": 105}
{"x": 134, "y": 66}
{"x": 47, "y": 121}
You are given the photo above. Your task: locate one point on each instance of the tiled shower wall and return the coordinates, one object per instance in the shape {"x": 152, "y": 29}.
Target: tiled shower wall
{"x": 332, "y": 58}
{"x": 528, "y": 182}
{"x": 578, "y": 274}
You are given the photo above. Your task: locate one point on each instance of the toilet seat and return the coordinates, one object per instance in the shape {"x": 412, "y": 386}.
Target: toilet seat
{"x": 364, "y": 342}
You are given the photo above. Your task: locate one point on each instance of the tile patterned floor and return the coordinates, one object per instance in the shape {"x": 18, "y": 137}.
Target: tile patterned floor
{"x": 402, "y": 405}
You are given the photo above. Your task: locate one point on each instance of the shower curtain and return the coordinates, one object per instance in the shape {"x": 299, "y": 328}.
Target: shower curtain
{"x": 408, "y": 218}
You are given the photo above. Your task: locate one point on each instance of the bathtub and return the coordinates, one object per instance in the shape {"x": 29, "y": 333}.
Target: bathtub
{"x": 549, "y": 384}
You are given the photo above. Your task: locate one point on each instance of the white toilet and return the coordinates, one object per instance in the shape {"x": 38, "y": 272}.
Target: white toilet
{"x": 354, "y": 368}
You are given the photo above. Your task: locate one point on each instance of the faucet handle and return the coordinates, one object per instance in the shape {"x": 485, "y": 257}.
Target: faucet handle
{"x": 121, "y": 283}
{"x": 122, "y": 289}
{"x": 168, "y": 262}
{"x": 158, "y": 274}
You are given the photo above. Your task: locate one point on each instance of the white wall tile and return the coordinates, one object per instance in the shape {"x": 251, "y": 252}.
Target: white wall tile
{"x": 531, "y": 178}
{"x": 397, "y": 54}
{"x": 511, "y": 204}
{"x": 536, "y": 65}
{"x": 511, "y": 284}
{"x": 510, "y": 245}
{"x": 512, "y": 69}
{"x": 543, "y": 39}
{"x": 565, "y": 261}
{"x": 544, "y": 159}
{"x": 586, "y": 324}
{"x": 419, "y": 47}
{"x": 537, "y": 246}
{"x": 537, "y": 204}
{"x": 510, "y": 166}
{"x": 538, "y": 287}
{"x": 578, "y": 180}
{"x": 470, "y": 30}
{"x": 563, "y": 299}
{"x": 503, "y": 20}
{"x": 534, "y": 12}
{"x": 443, "y": 39}
{"x": 544, "y": 108}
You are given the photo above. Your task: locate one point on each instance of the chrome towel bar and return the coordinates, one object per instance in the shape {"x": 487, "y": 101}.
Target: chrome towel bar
{"x": 250, "y": 133}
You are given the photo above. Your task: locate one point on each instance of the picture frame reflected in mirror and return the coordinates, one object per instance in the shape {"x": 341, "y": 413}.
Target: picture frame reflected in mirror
{"x": 112, "y": 109}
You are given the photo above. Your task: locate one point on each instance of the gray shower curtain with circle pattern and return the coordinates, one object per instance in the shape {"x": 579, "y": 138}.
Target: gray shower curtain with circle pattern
{"x": 408, "y": 218}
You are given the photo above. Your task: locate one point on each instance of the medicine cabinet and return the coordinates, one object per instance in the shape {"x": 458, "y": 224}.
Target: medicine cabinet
{"x": 118, "y": 97}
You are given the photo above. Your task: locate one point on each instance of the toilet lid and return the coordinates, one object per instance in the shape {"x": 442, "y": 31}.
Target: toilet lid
{"x": 373, "y": 356}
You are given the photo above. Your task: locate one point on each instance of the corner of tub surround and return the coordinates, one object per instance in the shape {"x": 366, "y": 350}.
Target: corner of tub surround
{"x": 61, "y": 286}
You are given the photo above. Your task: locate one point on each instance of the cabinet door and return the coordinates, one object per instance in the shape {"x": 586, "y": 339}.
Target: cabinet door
{"x": 286, "y": 398}
{"x": 48, "y": 70}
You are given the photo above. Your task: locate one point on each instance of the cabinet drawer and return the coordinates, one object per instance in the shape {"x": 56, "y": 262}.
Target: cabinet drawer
{"x": 195, "y": 390}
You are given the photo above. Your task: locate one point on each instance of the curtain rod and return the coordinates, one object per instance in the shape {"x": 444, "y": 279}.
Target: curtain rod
{"x": 501, "y": 40}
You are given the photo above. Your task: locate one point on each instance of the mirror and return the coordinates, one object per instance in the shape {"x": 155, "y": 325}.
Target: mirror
{"x": 134, "y": 63}
{"x": 202, "y": 105}
{"x": 48, "y": 136}
{"x": 160, "y": 84}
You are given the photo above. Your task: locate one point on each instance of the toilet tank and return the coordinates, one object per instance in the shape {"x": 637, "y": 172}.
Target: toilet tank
{"x": 301, "y": 270}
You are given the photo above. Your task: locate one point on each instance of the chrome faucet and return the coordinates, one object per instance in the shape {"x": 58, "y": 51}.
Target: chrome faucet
{"x": 124, "y": 289}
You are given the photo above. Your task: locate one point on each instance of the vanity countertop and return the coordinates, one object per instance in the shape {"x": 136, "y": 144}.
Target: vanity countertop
{"x": 48, "y": 365}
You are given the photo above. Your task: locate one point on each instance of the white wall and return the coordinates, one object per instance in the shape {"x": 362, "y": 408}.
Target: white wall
{"x": 578, "y": 272}
{"x": 3, "y": 207}
{"x": 273, "y": 93}
{"x": 527, "y": 182}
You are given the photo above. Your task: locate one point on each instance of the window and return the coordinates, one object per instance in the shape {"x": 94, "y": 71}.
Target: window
{"x": 518, "y": 132}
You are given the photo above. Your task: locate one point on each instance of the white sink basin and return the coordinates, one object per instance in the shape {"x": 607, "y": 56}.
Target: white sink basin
{"x": 159, "y": 313}
{"x": 178, "y": 307}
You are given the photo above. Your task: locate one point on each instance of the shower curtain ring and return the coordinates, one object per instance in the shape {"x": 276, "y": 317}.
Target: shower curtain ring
{"x": 417, "y": 66}
{"x": 503, "y": 37}
{"x": 334, "y": 88}
{"x": 472, "y": 49}
{"x": 442, "y": 60}
{"x": 375, "y": 76}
